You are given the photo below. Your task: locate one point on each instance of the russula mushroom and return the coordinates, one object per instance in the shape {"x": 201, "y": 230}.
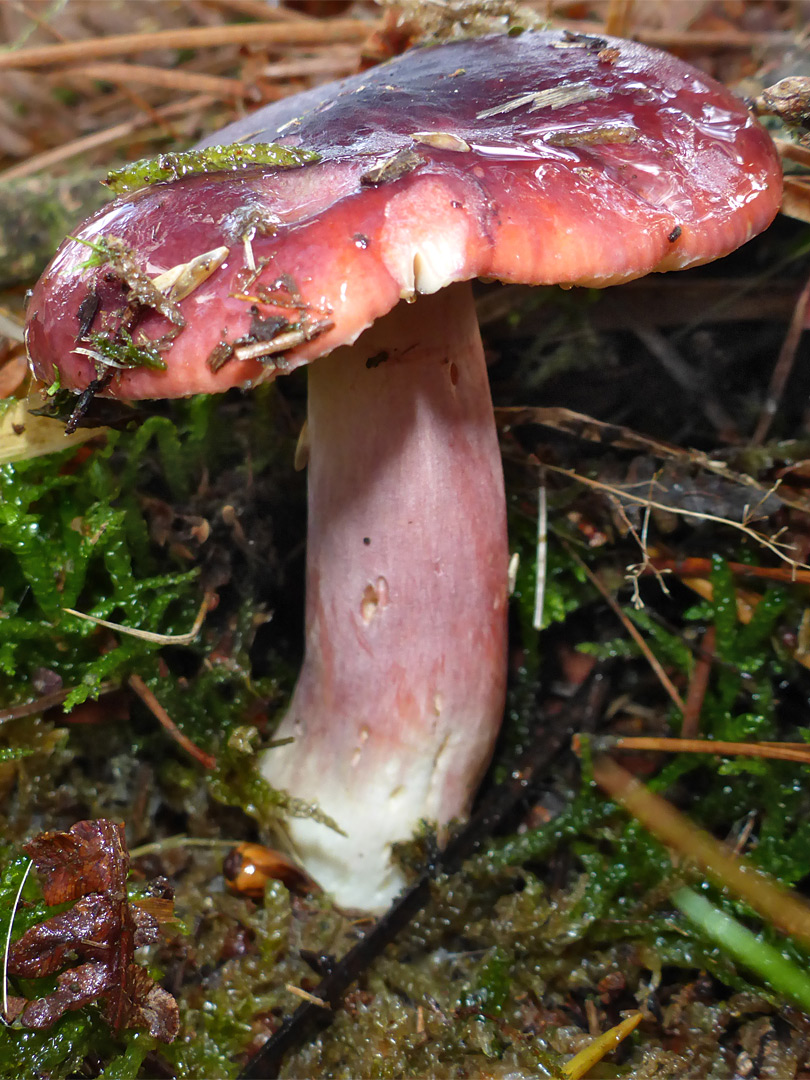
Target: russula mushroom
{"x": 543, "y": 158}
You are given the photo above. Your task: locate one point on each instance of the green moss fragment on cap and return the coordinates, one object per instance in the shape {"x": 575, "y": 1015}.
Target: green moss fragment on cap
{"x": 212, "y": 159}
{"x": 124, "y": 353}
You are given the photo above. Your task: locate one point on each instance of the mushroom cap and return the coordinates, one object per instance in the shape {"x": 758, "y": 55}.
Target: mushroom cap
{"x": 543, "y": 158}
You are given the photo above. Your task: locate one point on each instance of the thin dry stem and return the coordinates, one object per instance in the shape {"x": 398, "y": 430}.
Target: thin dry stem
{"x": 771, "y": 544}
{"x": 633, "y": 631}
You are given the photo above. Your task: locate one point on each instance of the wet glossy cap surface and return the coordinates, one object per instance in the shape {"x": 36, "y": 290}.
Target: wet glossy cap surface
{"x": 543, "y": 158}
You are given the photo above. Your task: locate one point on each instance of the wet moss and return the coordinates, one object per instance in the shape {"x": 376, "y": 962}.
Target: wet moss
{"x": 213, "y": 159}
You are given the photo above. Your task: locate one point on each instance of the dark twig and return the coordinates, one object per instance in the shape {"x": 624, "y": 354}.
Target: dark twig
{"x": 783, "y": 367}
{"x": 495, "y": 810}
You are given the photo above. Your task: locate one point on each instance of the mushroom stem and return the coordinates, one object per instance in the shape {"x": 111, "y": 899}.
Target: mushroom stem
{"x": 401, "y": 693}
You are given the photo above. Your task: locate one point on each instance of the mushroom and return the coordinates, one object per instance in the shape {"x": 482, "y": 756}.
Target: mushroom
{"x": 544, "y": 158}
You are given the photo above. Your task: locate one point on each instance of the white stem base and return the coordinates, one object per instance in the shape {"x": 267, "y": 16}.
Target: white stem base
{"x": 401, "y": 693}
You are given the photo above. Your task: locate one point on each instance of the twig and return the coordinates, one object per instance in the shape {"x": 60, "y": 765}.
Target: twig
{"x": 793, "y": 151}
{"x": 618, "y": 18}
{"x": 303, "y": 66}
{"x": 783, "y": 366}
{"x": 694, "y": 384}
{"x": 785, "y": 910}
{"x": 497, "y": 807}
{"x": 622, "y": 494}
{"x": 796, "y": 198}
{"x": 698, "y": 685}
{"x": 47, "y": 701}
{"x": 633, "y": 631}
{"x": 291, "y": 32}
{"x": 101, "y": 138}
{"x": 582, "y": 426}
{"x": 260, "y": 9}
{"x": 208, "y": 761}
{"x": 631, "y": 743}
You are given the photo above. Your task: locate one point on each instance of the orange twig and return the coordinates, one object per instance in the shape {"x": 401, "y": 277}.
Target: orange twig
{"x": 208, "y": 761}
{"x": 695, "y": 567}
{"x": 780, "y": 751}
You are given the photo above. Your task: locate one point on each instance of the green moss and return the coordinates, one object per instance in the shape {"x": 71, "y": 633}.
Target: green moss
{"x": 213, "y": 159}
{"x": 122, "y": 352}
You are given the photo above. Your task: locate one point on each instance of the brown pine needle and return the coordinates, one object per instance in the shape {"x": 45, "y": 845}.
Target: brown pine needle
{"x": 780, "y": 751}
{"x": 167, "y": 78}
{"x": 634, "y": 633}
{"x": 208, "y": 761}
{"x": 693, "y": 40}
{"x": 785, "y": 910}
{"x": 796, "y": 198}
{"x": 793, "y": 151}
{"x": 692, "y": 567}
{"x": 291, "y": 32}
{"x": 97, "y": 139}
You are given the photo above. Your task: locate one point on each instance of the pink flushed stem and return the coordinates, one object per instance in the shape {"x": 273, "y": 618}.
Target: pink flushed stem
{"x": 401, "y": 692}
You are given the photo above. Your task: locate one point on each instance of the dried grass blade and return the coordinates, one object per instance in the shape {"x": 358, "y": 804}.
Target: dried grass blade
{"x": 149, "y": 635}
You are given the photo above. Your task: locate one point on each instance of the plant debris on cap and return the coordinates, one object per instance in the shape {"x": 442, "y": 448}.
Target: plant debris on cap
{"x": 540, "y": 158}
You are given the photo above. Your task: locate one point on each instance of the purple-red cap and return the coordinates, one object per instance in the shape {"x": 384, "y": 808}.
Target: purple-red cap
{"x": 542, "y": 158}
